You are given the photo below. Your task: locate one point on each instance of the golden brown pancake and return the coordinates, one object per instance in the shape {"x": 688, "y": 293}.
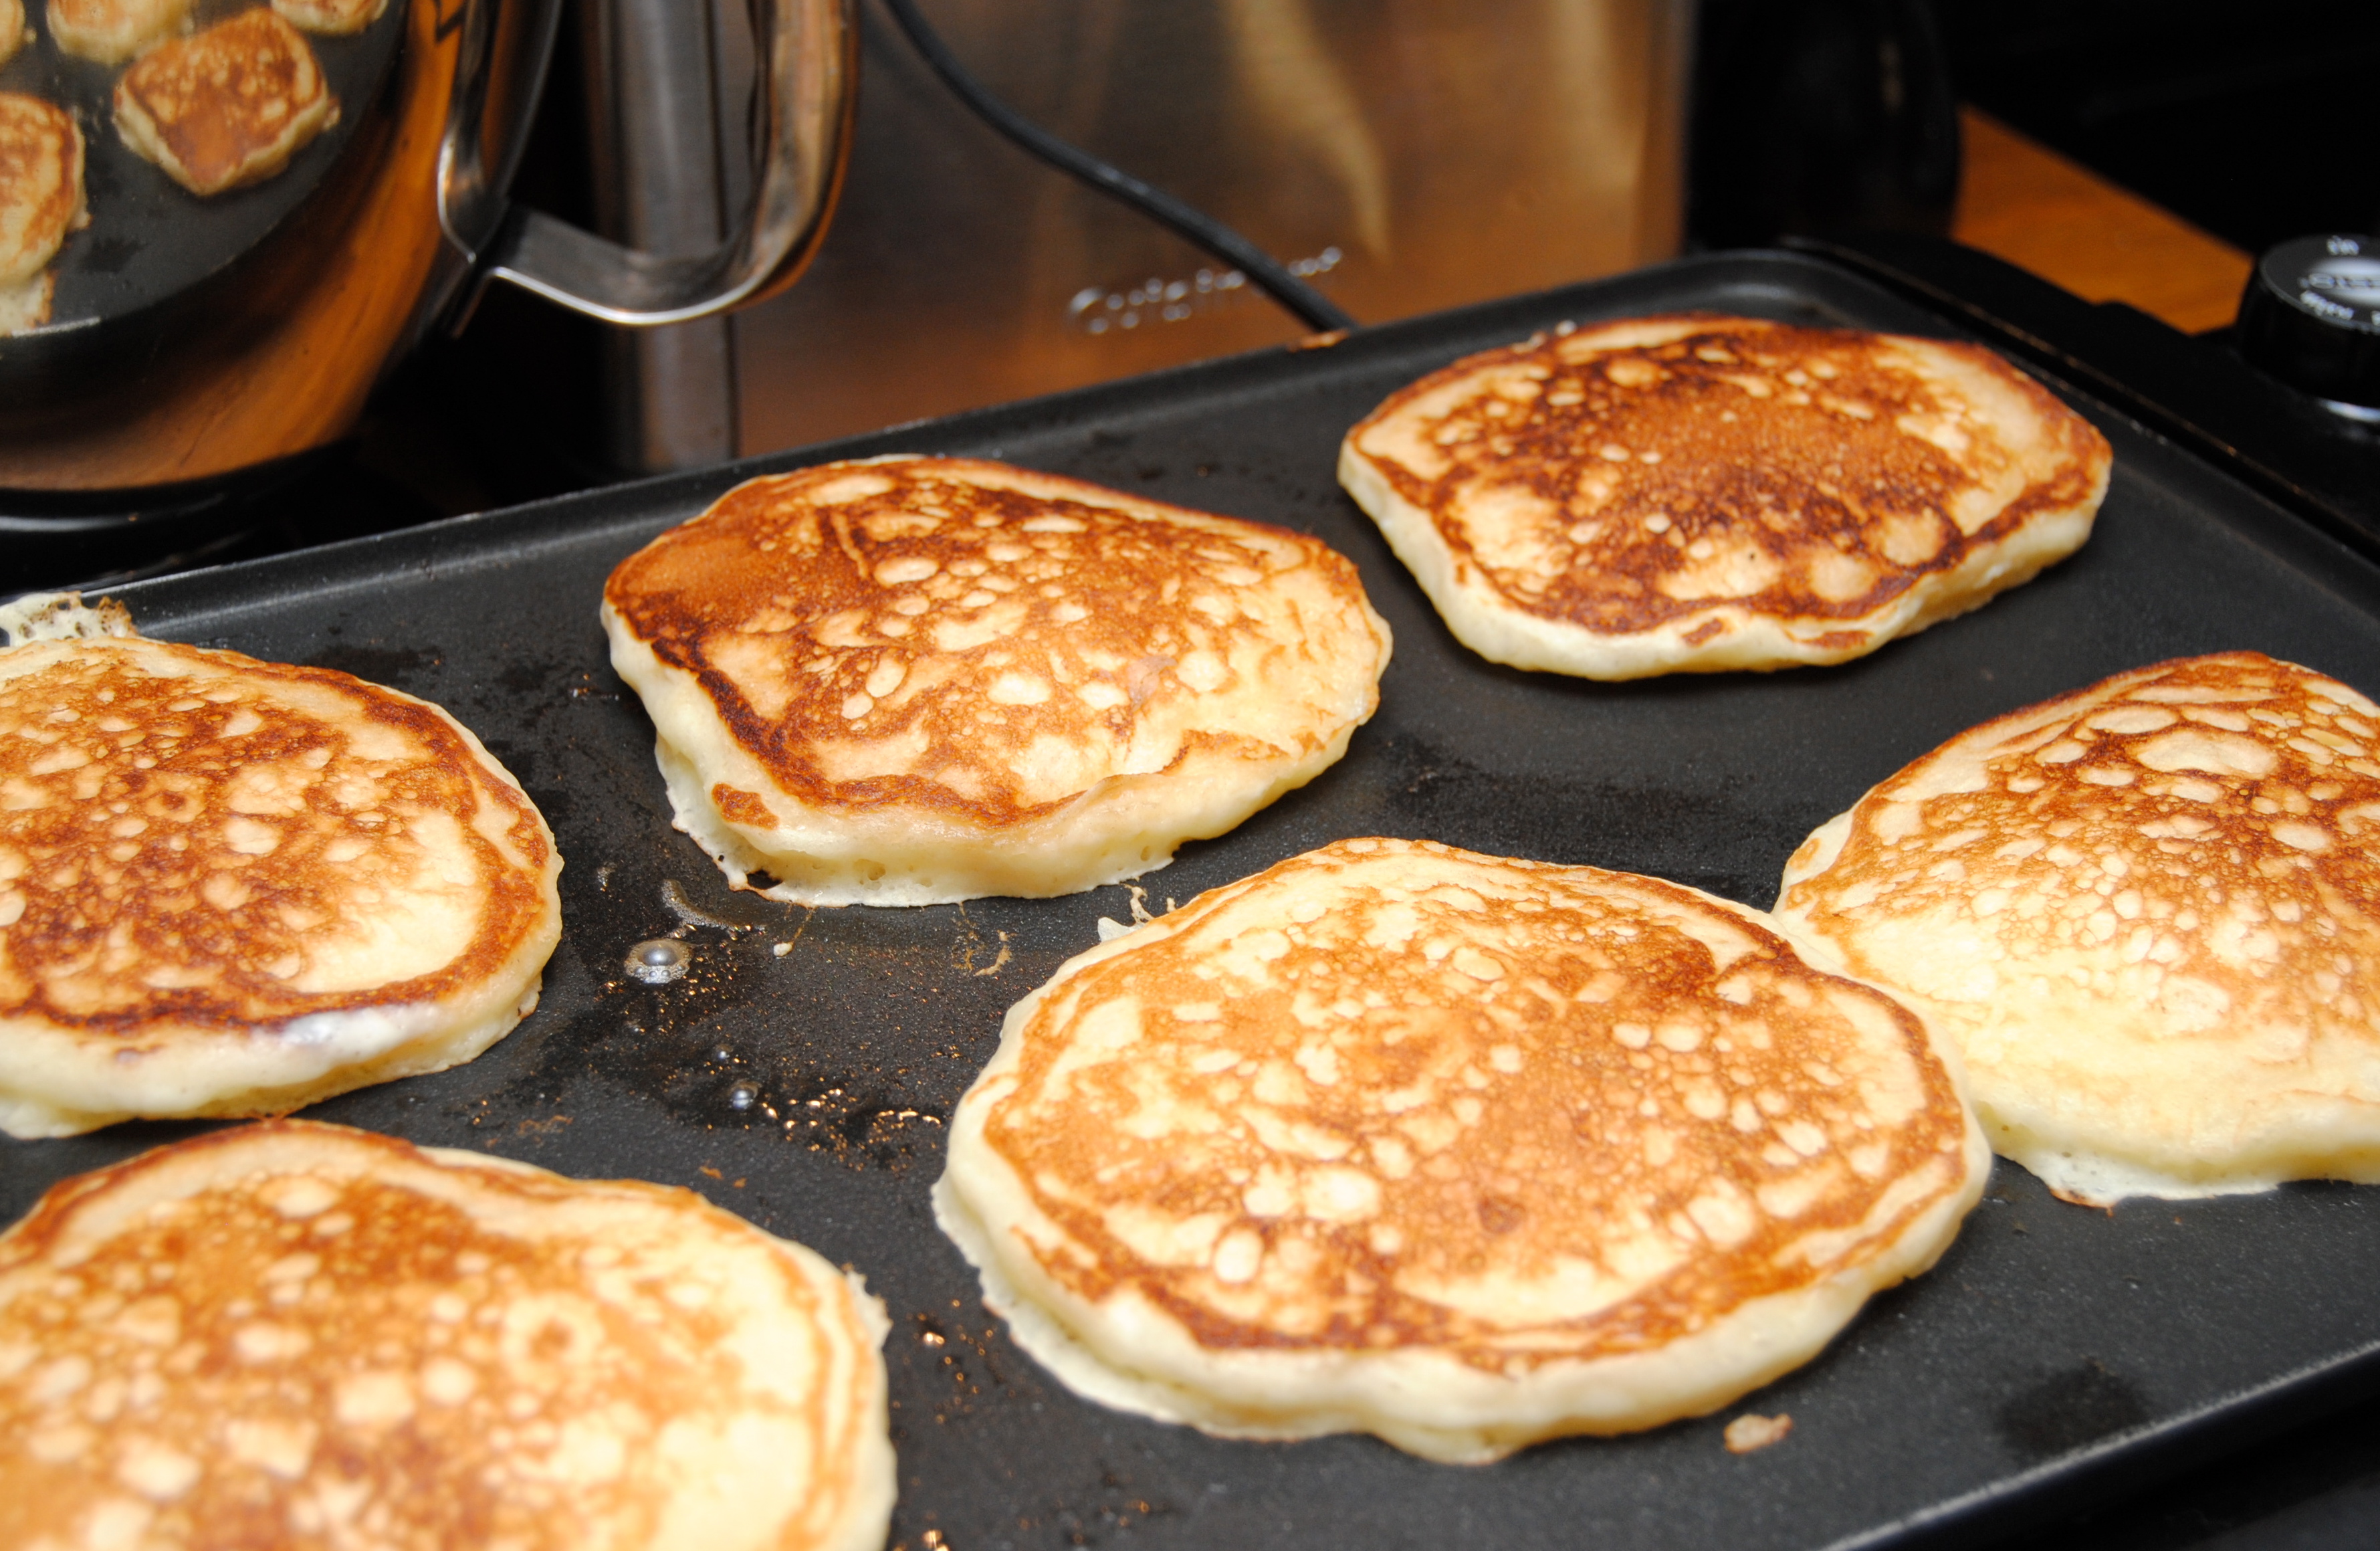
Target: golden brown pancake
{"x": 2149, "y": 912}
{"x": 234, "y": 887}
{"x": 333, "y": 16}
{"x": 919, "y": 679}
{"x": 1463, "y": 1152}
{"x": 111, "y": 31}
{"x": 1696, "y": 493}
{"x": 40, "y": 201}
{"x": 296, "y": 1335}
{"x": 227, "y": 106}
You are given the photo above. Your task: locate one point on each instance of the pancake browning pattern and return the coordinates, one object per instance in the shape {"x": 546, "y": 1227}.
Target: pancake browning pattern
{"x": 227, "y": 106}
{"x": 914, "y": 680}
{"x": 1463, "y": 1152}
{"x": 301, "y": 1334}
{"x": 2149, "y": 912}
{"x": 233, "y": 887}
{"x": 1697, "y": 492}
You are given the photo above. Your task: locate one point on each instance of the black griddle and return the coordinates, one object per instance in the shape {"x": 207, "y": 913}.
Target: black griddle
{"x": 2056, "y": 1356}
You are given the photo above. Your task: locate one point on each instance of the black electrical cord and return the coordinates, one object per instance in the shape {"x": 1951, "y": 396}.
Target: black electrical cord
{"x": 1267, "y": 274}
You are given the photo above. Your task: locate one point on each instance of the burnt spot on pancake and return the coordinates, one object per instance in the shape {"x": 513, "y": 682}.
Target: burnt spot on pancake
{"x": 227, "y": 106}
{"x": 1392, "y": 1095}
{"x": 985, "y": 642}
{"x": 292, "y": 1333}
{"x": 199, "y": 838}
{"x": 1805, "y": 473}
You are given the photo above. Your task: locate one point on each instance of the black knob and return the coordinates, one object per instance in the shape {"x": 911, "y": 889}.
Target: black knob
{"x": 2311, "y": 316}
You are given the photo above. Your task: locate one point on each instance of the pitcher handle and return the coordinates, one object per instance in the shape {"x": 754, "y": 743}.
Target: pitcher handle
{"x": 810, "y": 49}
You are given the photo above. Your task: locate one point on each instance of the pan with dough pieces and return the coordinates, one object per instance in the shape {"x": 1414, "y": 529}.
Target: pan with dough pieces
{"x": 231, "y": 888}
{"x": 914, "y": 680}
{"x": 2149, "y": 913}
{"x": 1463, "y": 1151}
{"x": 322, "y": 1337}
{"x": 41, "y": 202}
{"x": 228, "y": 107}
{"x": 1697, "y": 493}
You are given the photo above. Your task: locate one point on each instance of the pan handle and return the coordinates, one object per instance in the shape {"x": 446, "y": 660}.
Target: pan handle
{"x": 810, "y": 54}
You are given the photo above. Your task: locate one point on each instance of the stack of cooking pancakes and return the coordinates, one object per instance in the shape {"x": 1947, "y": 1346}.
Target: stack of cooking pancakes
{"x": 1463, "y": 1150}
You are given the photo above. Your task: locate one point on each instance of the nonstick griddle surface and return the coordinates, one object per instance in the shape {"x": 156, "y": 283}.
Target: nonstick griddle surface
{"x": 2055, "y": 1352}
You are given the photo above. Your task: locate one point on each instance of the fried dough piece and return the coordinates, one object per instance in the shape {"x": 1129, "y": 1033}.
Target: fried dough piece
{"x": 1699, "y": 492}
{"x": 914, "y": 680}
{"x": 227, "y": 106}
{"x": 1461, "y": 1151}
{"x": 234, "y": 887}
{"x": 2149, "y": 913}
{"x": 329, "y": 1338}
{"x": 335, "y": 18}
{"x": 40, "y": 201}
{"x": 14, "y": 34}
{"x": 114, "y": 31}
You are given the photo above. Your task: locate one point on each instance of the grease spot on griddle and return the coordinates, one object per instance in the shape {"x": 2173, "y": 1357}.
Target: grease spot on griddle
{"x": 2070, "y": 1407}
{"x": 398, "y": 667}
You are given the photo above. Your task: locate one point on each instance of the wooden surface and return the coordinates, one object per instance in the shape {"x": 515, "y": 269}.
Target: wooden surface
{"x": 2027, "y": 204}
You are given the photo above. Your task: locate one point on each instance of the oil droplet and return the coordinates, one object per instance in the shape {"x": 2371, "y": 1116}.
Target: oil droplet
{"x": 658, "y": 961}
{"x": 741, "y": 1095}
{"x": 722, "y": 1053}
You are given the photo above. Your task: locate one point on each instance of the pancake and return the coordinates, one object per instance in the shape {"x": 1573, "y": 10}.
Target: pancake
{"x": 2149, "y": 913}
{"x": 1697, "y": 493}
{"x": 228, "y": 107}
{"x": 301, "y": 1334}
{"x": 336, "y": 17}
{"x": 1461, "y": 1151}
{"x": 234, "y": 887}
{"x": 114, "y": 31}
{"x": 914, "y": 680}
{"x": 41, "y": 201}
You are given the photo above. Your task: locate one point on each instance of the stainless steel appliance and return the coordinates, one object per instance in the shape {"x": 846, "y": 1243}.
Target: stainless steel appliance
{"x": 1404, "y": 155}
{"x": 196, "y": 338}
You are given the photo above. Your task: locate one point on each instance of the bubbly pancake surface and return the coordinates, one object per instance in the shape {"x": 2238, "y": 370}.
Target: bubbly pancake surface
{"x": 304, "y": 1336}
{"x": 231, "y": 887}
{"x": 2149, "y": 912}
{"x": 40, "y": 201}
{"x": 227, "y": 106}
{"x": 1460, "y": 1150}
{"x": 1695, "y": 493}
{"x": 914, "y": 680}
